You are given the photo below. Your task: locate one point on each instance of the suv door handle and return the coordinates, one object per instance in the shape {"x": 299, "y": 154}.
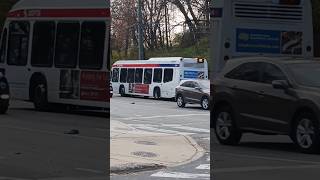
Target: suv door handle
{"x": 261, "y": 94}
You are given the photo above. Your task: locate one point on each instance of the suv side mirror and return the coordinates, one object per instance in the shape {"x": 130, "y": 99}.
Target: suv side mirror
{"x": 280, "y": 84}
{"x": 198, "y": 88}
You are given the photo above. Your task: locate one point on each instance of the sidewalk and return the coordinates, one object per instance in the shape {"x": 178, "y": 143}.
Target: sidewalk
{"x": 135, "y": 150}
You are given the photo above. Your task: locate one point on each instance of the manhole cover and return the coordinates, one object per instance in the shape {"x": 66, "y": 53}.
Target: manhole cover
{"x": 150, "y": 143}
{"x": 144, "y": 154}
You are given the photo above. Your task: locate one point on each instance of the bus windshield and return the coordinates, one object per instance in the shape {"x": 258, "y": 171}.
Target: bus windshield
{"x": 205, "y": 84}
{"x": 194, "y": 65}
{"x": 306, "y": 74}
{"x": 273, "y": 28}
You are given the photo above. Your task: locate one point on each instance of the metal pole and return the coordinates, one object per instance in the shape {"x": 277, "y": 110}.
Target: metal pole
{"x": 140, "y": 41}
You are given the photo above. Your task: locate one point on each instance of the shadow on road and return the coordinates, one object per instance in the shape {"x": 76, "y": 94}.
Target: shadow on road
{"x": 288, "y": 147}
{"x": 149, "y": 98}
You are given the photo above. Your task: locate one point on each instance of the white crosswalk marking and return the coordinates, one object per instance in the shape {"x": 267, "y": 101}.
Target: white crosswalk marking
{"x": 177, "y": 126}
{"x": 201, "y": 171}
{"x": 179, "y": 175}
{"x": 204, "y": 167}
{"x": 171, "y": 129}
{"x": 155, "y": 129}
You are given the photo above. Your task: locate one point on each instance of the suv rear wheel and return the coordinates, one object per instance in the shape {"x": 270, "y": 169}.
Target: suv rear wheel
{"x": 226, "y": 131}
{"x": 180, "y": 101}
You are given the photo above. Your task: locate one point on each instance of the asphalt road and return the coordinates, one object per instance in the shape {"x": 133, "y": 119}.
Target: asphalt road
{"x": 263, "y": 158}
{"x": 34, "y": 145}
{"x": 164, "y": 116}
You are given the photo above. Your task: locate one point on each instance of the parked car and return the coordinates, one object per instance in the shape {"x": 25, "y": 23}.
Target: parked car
{"x": 4, "y": 94}
{"x": 193, "y": 92}
{"x": 268, "y": 96}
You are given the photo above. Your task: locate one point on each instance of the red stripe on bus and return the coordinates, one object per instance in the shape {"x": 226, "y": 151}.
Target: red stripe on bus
{"x": 60, "y": 13}
{"x": 136, "y": 65}
{"x": 19, "y": 13}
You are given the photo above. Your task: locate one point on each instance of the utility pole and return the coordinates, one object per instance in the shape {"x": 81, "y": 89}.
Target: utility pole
{"x": 166, "y": 24}
{"x": 140, "y": 31}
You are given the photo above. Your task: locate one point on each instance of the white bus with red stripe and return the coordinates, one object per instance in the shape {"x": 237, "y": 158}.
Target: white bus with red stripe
{"x": 156, "y": 77}
{"x": 274, "y": 28}
{"x": 57, "y": 51}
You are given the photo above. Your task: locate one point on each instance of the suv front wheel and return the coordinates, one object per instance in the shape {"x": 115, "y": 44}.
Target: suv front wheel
{"x": 306, "y": 133}
{"x": 205, "y": 103}
{"x": 226, "y": 131}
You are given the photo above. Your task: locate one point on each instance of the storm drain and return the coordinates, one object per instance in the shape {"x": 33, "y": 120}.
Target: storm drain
{"x": 144, "y": 154}
{"x": 149, "y": 143}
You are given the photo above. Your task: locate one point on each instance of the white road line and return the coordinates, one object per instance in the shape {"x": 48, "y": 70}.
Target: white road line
{"x": 204, "y": 167}
{"x": 177, "y": 126}
{"x": 260, "y": 168}
{"x": 179, "y": 175}
{"x": 53, "y": 133}
{"x": 11, "y": 178}
{"x": 166, "y": 116}
{"x": 154, "y": 129}
{"x": 268, "y": 158}
{"x": 89, "y": 170}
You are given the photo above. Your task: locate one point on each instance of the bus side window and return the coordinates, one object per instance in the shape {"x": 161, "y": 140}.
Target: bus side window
{"x": 3, "y": 46}
{"x": 115, "y": 75}
{"x": 157, "y": 78}
{"x": 168, "y": 75}
{"x": 93, "y": 35}
{"x": 43, "y": 44}
{"x": 147, "y": 76}
{"x": 138, "y": 75}
{"x": 67, "y": 40}
{"x": 18, "y": 43}
{"x": 130, "y": 78}
{"x": 123, "y": 75}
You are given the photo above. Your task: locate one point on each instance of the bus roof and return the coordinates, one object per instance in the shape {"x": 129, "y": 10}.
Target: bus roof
{"x": 146, "y": 62}
{"x": 158, "y": 60}
{"x": 60, "y": 4}
{"x": 60, "y": 9}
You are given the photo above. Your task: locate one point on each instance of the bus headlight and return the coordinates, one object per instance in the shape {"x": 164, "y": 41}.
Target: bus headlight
{"x": 200, "y": 60}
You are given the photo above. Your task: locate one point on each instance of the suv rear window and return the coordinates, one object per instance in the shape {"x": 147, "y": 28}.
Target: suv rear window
{"x": 247, "y": 72}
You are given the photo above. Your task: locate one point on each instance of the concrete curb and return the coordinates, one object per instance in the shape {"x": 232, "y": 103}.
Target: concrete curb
{"x": 133, "y": 168}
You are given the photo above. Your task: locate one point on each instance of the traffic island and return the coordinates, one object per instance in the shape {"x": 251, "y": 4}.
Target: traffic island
{"x": 133, "y": 150}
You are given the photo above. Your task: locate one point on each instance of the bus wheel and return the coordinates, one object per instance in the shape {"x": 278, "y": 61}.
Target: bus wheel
{"x": 122, "y": 91}
{"x": 40, "y": 99}
{"x": 4, "y": 105}
{"x": 157, "y": 93}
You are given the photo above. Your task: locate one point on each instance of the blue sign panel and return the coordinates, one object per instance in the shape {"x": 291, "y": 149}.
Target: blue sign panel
{"x": 193, "y": 75}
{"x": 258, "y": 41}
